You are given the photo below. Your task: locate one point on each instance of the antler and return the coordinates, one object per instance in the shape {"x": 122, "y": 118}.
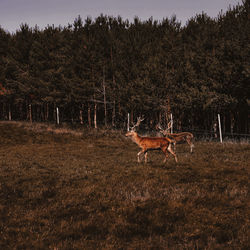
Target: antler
{"x": 166, "y": 131}
{"x": 169, "y": 125}
{"x": 158, "y": 126}
{"x": 139, "y": 120}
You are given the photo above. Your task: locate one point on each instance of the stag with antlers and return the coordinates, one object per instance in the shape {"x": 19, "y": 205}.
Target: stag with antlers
{"x": 150, "y": 143}
{"x": 178, "y": 137}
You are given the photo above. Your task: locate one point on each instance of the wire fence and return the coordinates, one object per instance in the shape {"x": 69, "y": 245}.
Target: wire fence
{"x": 211, "y": 135}
{"x": 199, "y": 134}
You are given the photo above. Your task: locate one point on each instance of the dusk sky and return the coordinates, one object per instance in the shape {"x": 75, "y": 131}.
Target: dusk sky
{"x": 62, "y": 12}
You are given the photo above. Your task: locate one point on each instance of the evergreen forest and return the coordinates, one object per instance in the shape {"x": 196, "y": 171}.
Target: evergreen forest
{"x": 96, "y": 71}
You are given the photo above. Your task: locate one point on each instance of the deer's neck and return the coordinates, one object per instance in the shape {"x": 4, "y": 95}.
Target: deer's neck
{"x": 136, "y": 138}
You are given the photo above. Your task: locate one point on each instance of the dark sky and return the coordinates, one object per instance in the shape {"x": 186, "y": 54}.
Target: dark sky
{"x": 62, "y": 12}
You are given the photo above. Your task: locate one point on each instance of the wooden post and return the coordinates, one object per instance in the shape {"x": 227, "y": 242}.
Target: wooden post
{"x": 171, "y": 117}
{"x": 220, "y": 128}
{"x": 57, "y": 116}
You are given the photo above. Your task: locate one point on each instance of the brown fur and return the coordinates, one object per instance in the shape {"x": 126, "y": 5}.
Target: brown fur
{"x": 181, "y": 137}
{"x": 152, "y": 143}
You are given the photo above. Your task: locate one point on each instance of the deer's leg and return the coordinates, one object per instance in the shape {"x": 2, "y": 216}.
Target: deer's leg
{"x": 190, "y": 144}
{"x": 144, "y": 152}
{"x": 164, "y": 150}
{"x": 146, "y": 156}
{"x": 138, "y": 156}
{"x": 191, "y": 147}
{"x": 172, "y": 152}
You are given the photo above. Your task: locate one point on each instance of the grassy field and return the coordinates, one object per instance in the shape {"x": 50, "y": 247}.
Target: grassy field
{"x": 85, "y": 190}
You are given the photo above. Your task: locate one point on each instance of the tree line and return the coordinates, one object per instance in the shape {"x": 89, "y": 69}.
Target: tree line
{"x": 97, "y": 71}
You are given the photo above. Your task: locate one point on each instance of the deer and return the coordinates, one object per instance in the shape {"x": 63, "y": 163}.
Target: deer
{"x": 150, "y": 143}
{"x": 177, "y": 137}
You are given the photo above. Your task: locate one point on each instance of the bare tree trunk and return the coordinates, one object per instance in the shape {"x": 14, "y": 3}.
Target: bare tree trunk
{"x": 42, "y": 116}
{"x": 29, "y": 113}
{"x": 224, "y": 124}
{"x": 113, "y": 115}
{"x": 114, "y": 83}
{"x": 232, "y": 123}
{"x": 72, "y": 113}
{"x": 9, "y": 112}
{"x": 1, "y": 109}
{"x": 38, "y": 113}
{"x": 120, "y": 114}
{"x": 168, "y": 114}
{"x": 54, "y": 112}
{"x": 81, "y": 114}
{"x": 47, "y": 112}
{"x": 95, "y": 118}
{"x": 215, "y": 129}
{"x": 104, "y": 98}
{"x": 80, "y": 117}
{"x": 179, "y": 125}
{"x": 159, "y": 121}
{"x": 132, "y": 116}
{"x": 5, "y": 111}
{"x": 89, "y": 115}
{"x": 43, "y": 112}
{"x": 21, "y": 111}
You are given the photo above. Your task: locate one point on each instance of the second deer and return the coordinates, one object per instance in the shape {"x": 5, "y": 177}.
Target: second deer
{"x": 178, "y": 137}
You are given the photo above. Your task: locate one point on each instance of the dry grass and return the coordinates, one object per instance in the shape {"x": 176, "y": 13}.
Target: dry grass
{"x": 86, "y": 191}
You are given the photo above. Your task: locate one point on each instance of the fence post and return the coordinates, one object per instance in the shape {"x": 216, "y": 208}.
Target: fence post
{"x": 57, "y": 116}
{"x": 220, "y": 128}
